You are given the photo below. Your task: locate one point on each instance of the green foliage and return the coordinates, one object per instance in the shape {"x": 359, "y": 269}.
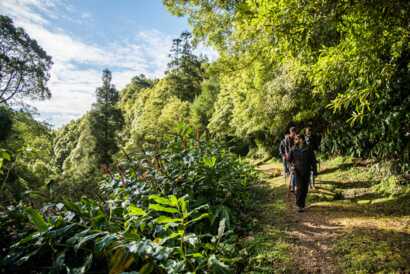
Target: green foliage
{"x": 171, "y": 210}
{"x": 341, "y": 66}
{"x": 6, "y": 123}
{"x": 26, "y": 166}
{"x": 155, "y": 112}
{"x": 185, "y": 69}
{"x": 373, "y": 252}
{"x": 204, "y": 170}
{"x": 129, "y": 95}
{"x": 105, "y": 120}
{"x": 24, "y": 65}
{"x": 65, "y": 141}
{"x": 75, "y": 148}
{"x": 82, "y": 147}
{"x": 4, "y": 156}
{"x": 203, "y": 106}
{"x": 84, "y": 238}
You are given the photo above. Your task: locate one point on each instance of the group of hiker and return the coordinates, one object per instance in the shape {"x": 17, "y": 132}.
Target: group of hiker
{"x": 299, "y": 162}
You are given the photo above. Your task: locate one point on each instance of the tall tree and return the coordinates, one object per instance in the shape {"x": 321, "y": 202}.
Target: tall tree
{"x": 175, "y": 53}
{"x": 106, "y": 119}
{"x": 24, "y": 65}
{"x": 185, "y": 68}
{"x": 344, "y": 65}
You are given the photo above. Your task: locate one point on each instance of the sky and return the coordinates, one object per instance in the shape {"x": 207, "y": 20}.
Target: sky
{"x": 83, "y": 37}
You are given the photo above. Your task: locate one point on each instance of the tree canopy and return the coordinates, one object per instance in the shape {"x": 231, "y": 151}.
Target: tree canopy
{"x": 320, "y": 62}
{"x": 159, "y": 177}
{"x": 24, "y": 65}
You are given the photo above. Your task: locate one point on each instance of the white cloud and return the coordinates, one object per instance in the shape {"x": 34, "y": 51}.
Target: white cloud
{"x": 77, "y": 64}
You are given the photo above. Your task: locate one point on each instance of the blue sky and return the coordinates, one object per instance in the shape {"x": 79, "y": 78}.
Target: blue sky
{"x": 85, "y": 36}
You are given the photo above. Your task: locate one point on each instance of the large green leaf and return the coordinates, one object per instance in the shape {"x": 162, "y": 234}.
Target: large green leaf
{"x": 167, "y": 220}
{"x": 87, "y": 238}
{"x": 72, "y": 207}
{"x": 105, "y": 242}
{"x": 163, "y": 201}
{"x": 173, "y": 235}
{"x": 37, "y": 219}
{"x": 135, "y": 211}
{"x": 184, "y": 206}
{"x": 200, "y": 217}
{"x": 161, "y": 208}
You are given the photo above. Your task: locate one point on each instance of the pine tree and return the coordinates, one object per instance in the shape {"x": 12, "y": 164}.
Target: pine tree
{"x": 185, "y": 68}
{"x": 175, "y": 53}
{"x": 106, "y": 120}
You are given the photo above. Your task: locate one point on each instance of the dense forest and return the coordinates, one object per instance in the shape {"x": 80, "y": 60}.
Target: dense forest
{"x": 159, "y": 177}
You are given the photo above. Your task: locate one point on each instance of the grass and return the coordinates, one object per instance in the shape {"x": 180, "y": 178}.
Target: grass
{"x": 267, "y": 246}
{"x": 371, "y": 212}
{"x": 268, "y": 253}
{"x": 374, "y": 251}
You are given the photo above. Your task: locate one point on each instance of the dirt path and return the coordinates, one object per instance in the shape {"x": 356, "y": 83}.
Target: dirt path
{"x": 293, "y": 242}
{"x": 312, "y": 235}
{"x": 309, "y": 234}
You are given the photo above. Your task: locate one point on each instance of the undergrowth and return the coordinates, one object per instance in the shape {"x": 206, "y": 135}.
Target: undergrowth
{"x": 176, "y": 207}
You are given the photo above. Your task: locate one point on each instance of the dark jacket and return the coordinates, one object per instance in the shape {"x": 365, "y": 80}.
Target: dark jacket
{"x": 303, "y": 159}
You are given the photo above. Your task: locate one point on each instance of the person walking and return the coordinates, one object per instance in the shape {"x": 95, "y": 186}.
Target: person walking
{"x": 282, "y": 153}
{"x": 303, "y": 160}
{"x": 289, "y": 143}
{"x": 312, "y": 140}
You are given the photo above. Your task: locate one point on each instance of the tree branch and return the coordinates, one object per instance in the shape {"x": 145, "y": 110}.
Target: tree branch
{"x": 3, "y": 91}
{"x": 14, "y": 92}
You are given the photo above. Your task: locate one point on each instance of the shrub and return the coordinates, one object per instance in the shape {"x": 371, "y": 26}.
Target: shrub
{"x": 171, "y": 209}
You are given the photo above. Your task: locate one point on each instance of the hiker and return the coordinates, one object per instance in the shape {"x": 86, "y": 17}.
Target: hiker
{"x": 288, "y": 146}
{"x": 302, "y": 158}
{"x": 282, "y": 153}
{"x": 312, "y": 140}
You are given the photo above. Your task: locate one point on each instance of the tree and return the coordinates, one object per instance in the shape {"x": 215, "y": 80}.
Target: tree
{"x": 24, "y": 65}
{"x": 5, "y": 123}
{"x": 105, "y": 120}
{"x": 29, "y": 144}
{"x": 185, "y": 68}
{"x": 175, "y": 53}
{"x": 342, "y": 65}
{"x": 203, "y": 105}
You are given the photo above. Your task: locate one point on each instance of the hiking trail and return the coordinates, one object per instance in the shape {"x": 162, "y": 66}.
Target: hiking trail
{"x": 340, "y": 208}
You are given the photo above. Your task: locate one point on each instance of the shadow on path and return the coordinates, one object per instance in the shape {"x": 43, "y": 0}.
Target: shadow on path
{"x": 334, "y": 232}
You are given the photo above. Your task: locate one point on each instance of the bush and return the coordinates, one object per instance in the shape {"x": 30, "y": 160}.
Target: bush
{"x": 171, "y": 209}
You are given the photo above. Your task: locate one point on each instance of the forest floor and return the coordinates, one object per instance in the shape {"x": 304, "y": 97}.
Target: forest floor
{"x": 348, "y": 226}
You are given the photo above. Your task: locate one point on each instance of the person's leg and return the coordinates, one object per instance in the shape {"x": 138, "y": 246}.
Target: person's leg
{"x": 302, "y": 190}
{"x": 285, "y": 168}
{"x": 312, "y": 180}
{"x": 293, "y": 182}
